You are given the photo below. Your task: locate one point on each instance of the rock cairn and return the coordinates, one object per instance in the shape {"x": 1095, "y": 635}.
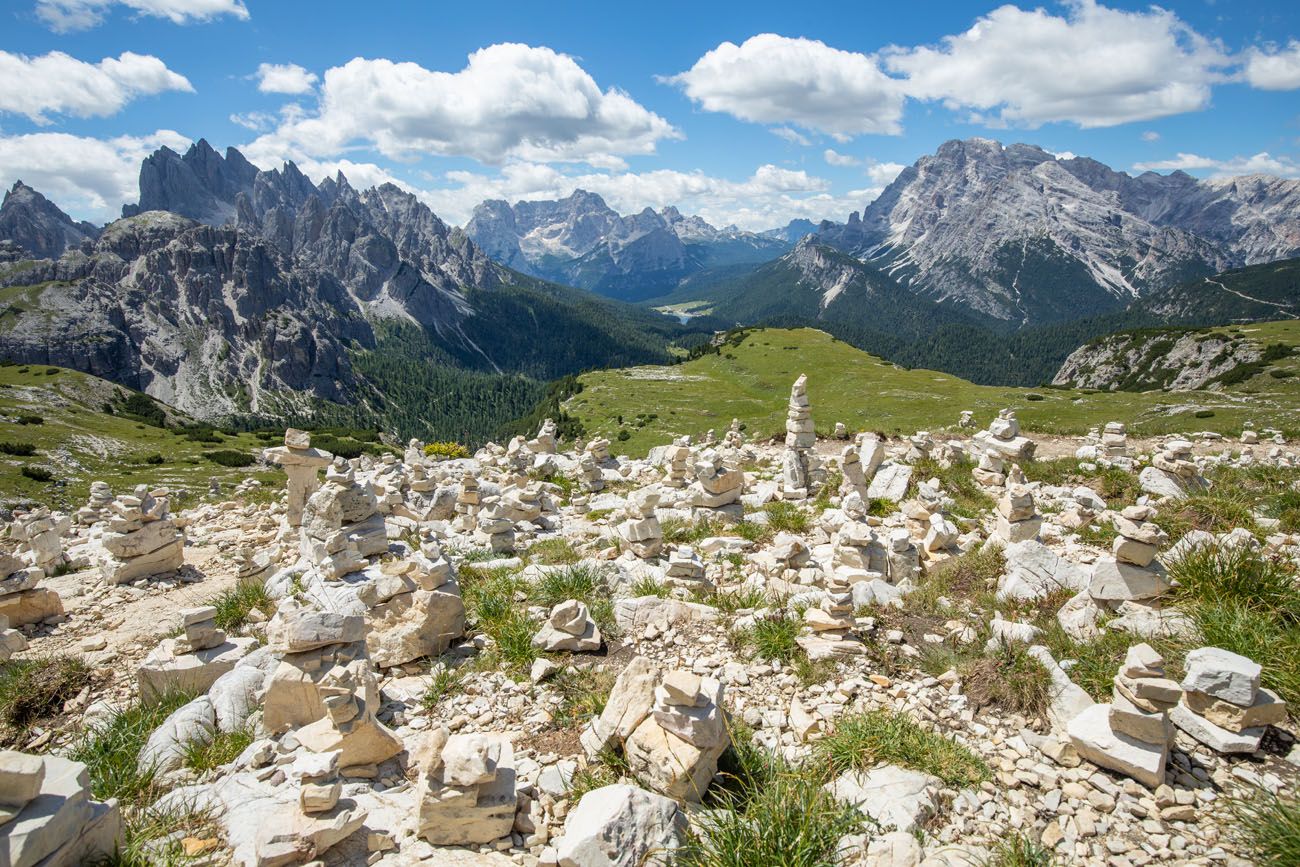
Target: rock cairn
{"x": 686, "y": 570}
{"x": 569, "y": 627}
{"x": 1004, "y": 439}
{"x": 641, "y": 533}
{"x": 677, "y": 462}
{"x": 598, "y": 448}
{"x": 192, "y": 662}
{"x": 494, "y": 529}
{"x": 832, "y": 622}
{"x": 545, "y": 442}
{"x": 735, "y": 437}
{"x": 97, "y": 505}
{"x": 966, "y": 419}
{"x": 1133, "y": 732}
{"x": 22, "y": 601}
{"x": 465, "y": 794}
{"x": 47, "y": 816}
{"x": 1173, "y": 472}
{"x": 675, "y": 749}
{"x": 797, "y": 463}
{"x": 468, "y": 501}
{"x": 1132, "y": 573}
{"x": 1223, "y": 705}
{"x": 1114, "y": 440}
{"x": 903, "y": 557}
{"x": 593, "y": 481}
{"x": 341, "y": 524}
{"x": 715, "y": 485}
{"x": 142, "y": 540}
{"x": 302, "y": 465}
{"x": 349, "y": 695}
{"x": 1018, "y": 518}
{"x": 41, "y": 534}
{"x": 919, "y": 446}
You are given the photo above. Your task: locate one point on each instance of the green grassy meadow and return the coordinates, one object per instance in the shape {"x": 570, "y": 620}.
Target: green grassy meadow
{"x": 751, "y": 381}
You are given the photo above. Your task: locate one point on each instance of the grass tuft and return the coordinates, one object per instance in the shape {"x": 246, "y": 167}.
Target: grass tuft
{"x": 234, "y": 605}
{"x": 862, "y": 740}
{"x": 34, "y": 690}
{"x": 1018, "y": 850}
{"x": 223, "y": 749}
{"x": 1267, "y": 828}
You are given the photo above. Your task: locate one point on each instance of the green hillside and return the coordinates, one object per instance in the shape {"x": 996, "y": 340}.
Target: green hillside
{"x": 60, "y": 416}
{"x": 750, "y": 379}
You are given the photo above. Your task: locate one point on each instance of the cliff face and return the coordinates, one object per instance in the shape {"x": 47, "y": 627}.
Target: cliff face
{"x": 38, "y": 226}
{"x": 1170, "y": 359}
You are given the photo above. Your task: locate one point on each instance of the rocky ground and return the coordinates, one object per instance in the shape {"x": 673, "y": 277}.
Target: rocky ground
{"x": 542, "y": 655}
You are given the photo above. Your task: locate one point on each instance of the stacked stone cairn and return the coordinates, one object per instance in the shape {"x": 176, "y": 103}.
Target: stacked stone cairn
{"x": 1018, "y": 518}
{"x": 1131, "y": 574}
{"x": 41, "y": 534}
{"x": 321, "y": 822}
{"x": 465, "y": 794}
{"x": 734, "y": 437}
{"x": 468, "y": 501}
{"x": 991, "y": 470}
{"x": 641, "y": 533}
{"x": 833, "y": 620}
{"x": 341, "y": 524}
{"x": 919, "y": 446}
{"x": 141, "y": 540}
{"x": 545, "y": 443}
{"x": 598, "y": 448}
{"x": 1004, "y": 439}
{"x": 192, "y": 662}
{"x": 47, "y": 818}
{"x": 302, "y": 465}
{"x": 22, "y": 602}
{"x": 798, "y": 461}
{"x": 858, "y": 554}
{"x": 1173, "y": 472}
{"x": 413, "y": 607}
{"x": 568, "y": 627}
{"x": 715, "y": 485}
{"x": 1133, "y": 732}
{"x": 841, "y": 432}
{"x": 494, "y": 528}
{"x": 676, "y": 748}
{"x": 686, "y": 571}
{"x": 593, "y": 481}
{"x": 903, "y": 557}
{"x": 677, "y": 460}
{"x": 1223, "y": 705}
{"x": 96, "y": 508}
{"x": 1114, "y": 440}
{"x": 966, "y": 419}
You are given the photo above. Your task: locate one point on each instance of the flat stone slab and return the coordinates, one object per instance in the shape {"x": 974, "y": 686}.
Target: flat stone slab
{"x": 164, "y": 670}
{"x": 1215, "y": 737}
{"x": 1096, "y": 741}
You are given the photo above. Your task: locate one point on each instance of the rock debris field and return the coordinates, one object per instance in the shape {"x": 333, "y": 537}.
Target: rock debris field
{"x": 848, "y": 650}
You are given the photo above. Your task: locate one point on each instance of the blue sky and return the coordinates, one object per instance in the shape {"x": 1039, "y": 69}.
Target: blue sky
{"x": 752, "y": 113}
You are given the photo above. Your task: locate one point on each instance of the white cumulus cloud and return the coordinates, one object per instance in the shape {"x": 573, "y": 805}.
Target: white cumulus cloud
{"x": 835, "y": 158}
{"x": 284, "y": 78}
{"x": 57, "y": 83}
{"x": 511, "y": 101}
{"x": 89, "y": 178}
{"x": 776, "y": 79}
{"x": 1093, "y": 66}
{"x": 1274, "y": 68}
{"x": 1262, "y": 163}
{"x": 66, "y": 15}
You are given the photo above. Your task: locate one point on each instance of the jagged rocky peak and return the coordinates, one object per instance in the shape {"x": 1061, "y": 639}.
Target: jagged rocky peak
{"x": 38, "y": 226}
{"x": 1015, "y": 232}
{"x": 201, "y": 185}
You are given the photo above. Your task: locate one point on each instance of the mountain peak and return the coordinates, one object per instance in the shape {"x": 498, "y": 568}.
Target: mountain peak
{"x": 38, "y": 225}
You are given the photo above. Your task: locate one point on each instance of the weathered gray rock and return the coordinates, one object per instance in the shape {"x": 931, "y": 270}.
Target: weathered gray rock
{"x": 621, "y": 826}
{"x": 895, "y": 797}
{"x": 1222, "y": 674}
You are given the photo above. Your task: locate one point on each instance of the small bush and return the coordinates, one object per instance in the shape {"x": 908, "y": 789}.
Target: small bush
{"x": 1033, "y": 396}
{"x": 1204, "y": 413}
{"x": 31, "y": 419}
{"x": 37, "y": 474}
{"x": 623, "y": 435}
{"x": 447, "y": 450}
{"x": 155, "y": 459}
{"x": 861, "y": 740}
{"x": 21, "y": 450}
{"x": 230, "y": 458}
{"x": 1279, "y": 373}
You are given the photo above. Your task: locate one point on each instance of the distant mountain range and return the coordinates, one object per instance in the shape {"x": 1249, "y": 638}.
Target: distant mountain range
{"x": 581, "y": 241}
{"x": 231, "y": 292}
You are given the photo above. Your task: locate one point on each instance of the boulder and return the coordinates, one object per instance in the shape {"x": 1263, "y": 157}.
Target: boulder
{"x": 895, "y": 797}
{"x": 621, "y": 826}
{"x": 1222, "y": 674}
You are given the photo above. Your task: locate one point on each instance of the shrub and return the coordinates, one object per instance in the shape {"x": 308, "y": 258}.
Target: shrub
{"x": 1034, "y": 396}
{"x": 22, "y": 450}
{"x": 37, "y": 474}
{"x": 861, "y": 740}
{"x": 1280, "y": 373}
{"x": 1204, "y": 413}
{"x": 31, "y": 419}
{"x": 446, "y": 449}
{"x": 155, "y": 459}
{"x": 230, "y": 458}
{"x": 623, "y": 435}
